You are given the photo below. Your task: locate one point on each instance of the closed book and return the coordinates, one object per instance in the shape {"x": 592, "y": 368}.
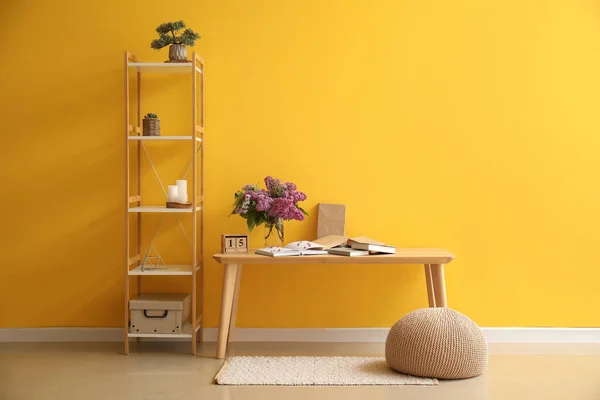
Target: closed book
{"x": 278, "y": 252}
{"x": 348, "y": 252}
{"x": 374, "y": 248}
{"x": 363, "y": 239}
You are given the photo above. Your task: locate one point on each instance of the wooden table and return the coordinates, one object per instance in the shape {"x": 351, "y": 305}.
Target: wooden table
{"x": 433, "y": 259}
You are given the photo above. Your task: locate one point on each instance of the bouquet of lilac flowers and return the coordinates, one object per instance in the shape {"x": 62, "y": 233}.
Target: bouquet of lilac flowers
{"x": 271, "y": 206}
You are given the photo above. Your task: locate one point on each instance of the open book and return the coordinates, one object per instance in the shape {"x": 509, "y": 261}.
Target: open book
{"x": 301, "y": 248}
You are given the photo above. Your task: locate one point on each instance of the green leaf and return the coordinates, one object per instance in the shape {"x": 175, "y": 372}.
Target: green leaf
{"x": 189, "y": 37}
{"x": 177, "y": 25}
{"x": 164, "y": 28}
{"x": 301, "y": 209}
{"x": 251, "y": 224}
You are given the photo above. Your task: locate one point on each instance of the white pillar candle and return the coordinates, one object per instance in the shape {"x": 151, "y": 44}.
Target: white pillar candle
{"x": 172, "y": 194}
{"x": 182, "y": 191}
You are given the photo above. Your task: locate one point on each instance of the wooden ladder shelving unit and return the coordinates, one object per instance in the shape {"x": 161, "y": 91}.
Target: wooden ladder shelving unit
{"x": 133, "y": 137}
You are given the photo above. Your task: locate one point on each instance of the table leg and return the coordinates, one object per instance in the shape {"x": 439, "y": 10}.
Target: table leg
{"x": 236, "y": 294}
{"x": 429, "y": 283}
{"x": 226, "y": 306}
{"x": 439, "y": 285}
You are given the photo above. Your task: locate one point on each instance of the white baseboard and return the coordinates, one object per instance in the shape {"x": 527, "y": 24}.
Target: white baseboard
{"x": 365, "y": 335}
{"x": 542, "y": 335}
{"x": 61, "y": 335}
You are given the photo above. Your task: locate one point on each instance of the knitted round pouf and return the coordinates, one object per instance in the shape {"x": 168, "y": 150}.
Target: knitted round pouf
{"x": 436, "y": 343}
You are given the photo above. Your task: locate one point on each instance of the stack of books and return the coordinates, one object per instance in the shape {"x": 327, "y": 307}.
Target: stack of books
{"x": 361, "y": 246}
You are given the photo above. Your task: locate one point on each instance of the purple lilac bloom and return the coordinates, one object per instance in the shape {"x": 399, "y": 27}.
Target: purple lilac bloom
{"x": 272, "y": 183}
{"x": 264, "y": 202}
{"x": 240, "y": 210}
{"x": 262, "y": 199}
{"x": 284, "y": 207}
{"x": 298, "y": 196}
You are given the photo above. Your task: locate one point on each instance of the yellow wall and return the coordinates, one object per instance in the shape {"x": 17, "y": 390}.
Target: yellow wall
{"x": 471, "y": 125}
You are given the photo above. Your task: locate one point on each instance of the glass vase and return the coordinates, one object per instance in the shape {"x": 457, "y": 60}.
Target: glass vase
{"x": 274, "y": 232}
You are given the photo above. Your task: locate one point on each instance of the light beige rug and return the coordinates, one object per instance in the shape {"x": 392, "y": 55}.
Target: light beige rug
{"x": 309, "y": 371}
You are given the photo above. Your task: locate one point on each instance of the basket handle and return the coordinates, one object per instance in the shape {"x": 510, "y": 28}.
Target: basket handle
{"x": 156, "y": 316}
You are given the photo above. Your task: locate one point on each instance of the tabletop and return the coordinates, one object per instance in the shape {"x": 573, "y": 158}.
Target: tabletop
{"x": 402, "y": 256}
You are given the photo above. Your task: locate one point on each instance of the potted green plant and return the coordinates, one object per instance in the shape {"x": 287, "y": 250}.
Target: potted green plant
{"x": 151, "y": 125}
{"x": 170, "y": 34}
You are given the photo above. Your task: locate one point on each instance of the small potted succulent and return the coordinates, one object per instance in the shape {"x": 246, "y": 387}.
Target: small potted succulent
{"x": 170, "y": 35}
{"x": 151, "y": 125}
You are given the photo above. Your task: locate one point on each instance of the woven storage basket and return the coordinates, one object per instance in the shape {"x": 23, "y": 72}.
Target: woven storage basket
{"x": 436, "y": 343}
{"x": 151, "y": 126}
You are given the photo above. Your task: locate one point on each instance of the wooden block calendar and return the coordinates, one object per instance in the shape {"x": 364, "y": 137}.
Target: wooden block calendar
{"x": 234, "y": 243}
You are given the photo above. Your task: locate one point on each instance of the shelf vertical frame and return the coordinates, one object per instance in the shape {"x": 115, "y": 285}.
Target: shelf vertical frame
{"x": 139, "y": 175}
{"x": 128, "y": 57}
{"x": 201, "y": 270}
{"x": 194, "y": 201}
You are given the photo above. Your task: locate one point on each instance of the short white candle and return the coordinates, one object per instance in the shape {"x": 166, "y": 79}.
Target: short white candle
{"x": 182, "y": 191}
{"x": 173, "y": 194}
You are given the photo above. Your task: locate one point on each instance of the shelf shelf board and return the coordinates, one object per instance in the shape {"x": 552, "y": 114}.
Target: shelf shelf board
{"x": 170, "y": 270}
{"x": 163, "y": 68}
{"x": 163, "y": 138}
{"x": 161, "y": 209}
{"x": 187, "y": 333}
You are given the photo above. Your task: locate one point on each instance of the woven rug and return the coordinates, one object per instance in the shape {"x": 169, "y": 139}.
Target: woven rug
{"x": 309, "y": 371}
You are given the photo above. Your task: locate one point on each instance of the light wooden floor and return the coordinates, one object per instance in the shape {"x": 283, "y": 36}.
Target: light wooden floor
{"x": 89, "y": 371}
